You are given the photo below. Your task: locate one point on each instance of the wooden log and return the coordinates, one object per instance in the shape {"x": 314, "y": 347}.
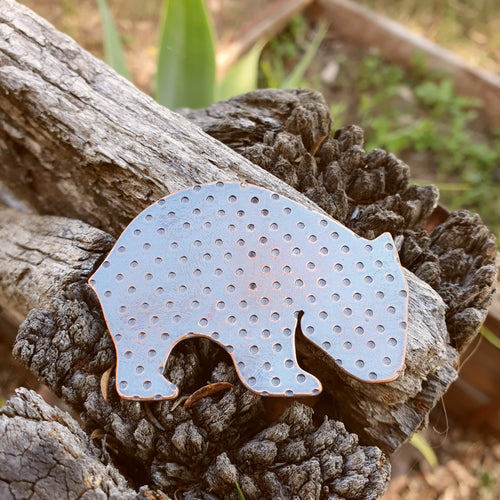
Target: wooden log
{"x": 285, "y": 133}
{"x": 41, "y": 256}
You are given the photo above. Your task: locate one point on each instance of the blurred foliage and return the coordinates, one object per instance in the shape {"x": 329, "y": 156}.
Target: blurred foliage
{"x": 113, "y": 48}
{"x": 281, "y": 50}
{"x": 288, "y": 55}
{"x": 243, "y": 75}
{"x": 409, "y": 113}
{"x": 471, "y": 29}
{"x": 421, "y": 444}
{"x": 295, "y": 78}
{"x": 186, "y": 59}
{"x": 490, "y": 337}
{"x": 418, "y": 111}
{"x": 186, "y": 55}
{"x": 186, "y": 65}
{"x": 488, "y": 480}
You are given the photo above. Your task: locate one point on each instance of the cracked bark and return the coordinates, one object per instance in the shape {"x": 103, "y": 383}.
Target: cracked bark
{"x": 54, "y": 455}
{"x": 78, "y": 140}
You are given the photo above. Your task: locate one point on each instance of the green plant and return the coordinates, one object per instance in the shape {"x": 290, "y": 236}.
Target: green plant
{"x": 420, "y": 112}
{"x": 490, "y": 337}
{"x": 284, "y": 51}
{"x": 338, "y": 112}
{"x": 186, "y": 75}
{"x": 113, "y": 48}
{"x": 281, "y": 50}
{"x": 488, "y": 480}
{"x": 241, "y": 496}
{"x": 186, "y": 59}
{"x": 242, "y": 76}
{"x": 418, "y": 442}
{"x": 294, "y": 79}
{"x": 286, "y": 45}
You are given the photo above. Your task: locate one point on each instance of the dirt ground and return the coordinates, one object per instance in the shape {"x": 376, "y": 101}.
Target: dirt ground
{"x": 468, "y": 468}
{"x": 468, "y": 460}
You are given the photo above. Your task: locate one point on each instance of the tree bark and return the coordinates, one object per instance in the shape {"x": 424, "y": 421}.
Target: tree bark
{"x": 45, "y": 454}
{"x": 78, "y": 140}
{"x": 40, "y": 256}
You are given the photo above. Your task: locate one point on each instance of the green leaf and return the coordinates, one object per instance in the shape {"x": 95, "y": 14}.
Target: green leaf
{"x": 186, "y": 59}
{"x": 271, "y": 74}
{"x": 295, "y": 77}
{"x": 424, "y": 447}
{"x": 243, "y": 74}
{"x": 241, "y": 496}
{"x": 113, "y": 48}
{"x": 490, "y": 337}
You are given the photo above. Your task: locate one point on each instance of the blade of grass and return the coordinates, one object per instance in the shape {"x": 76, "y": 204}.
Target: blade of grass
{"x": 490, "y": 337}
{"x": 241, "y": 496}
{"x": 186, "y": 59}
{"x": 293, "y": 80}
{"x": 242, "y": 76}
{"x": 424, "y": 447}
{"x": 113, "y": 47}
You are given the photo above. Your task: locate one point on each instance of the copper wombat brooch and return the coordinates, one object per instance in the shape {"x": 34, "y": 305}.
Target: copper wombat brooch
{"x": 239, "y": 264}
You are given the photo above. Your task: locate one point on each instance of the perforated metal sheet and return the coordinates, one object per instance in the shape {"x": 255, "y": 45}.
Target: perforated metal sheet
{"x": 237, "y": 263}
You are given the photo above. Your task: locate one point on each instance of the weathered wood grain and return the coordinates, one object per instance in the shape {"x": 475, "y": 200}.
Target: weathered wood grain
{"x": 39, "y": 256}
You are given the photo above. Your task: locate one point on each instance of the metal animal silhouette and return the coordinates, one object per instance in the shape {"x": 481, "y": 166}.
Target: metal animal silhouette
{"x": 237, "y": 263}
